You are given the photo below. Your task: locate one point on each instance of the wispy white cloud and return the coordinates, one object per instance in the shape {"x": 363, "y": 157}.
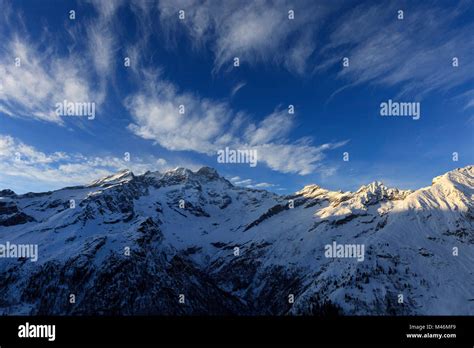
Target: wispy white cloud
{"x": 45, "y": 77}
{"x": 208, "y": 126}
{"x": 102, "y": 37}
{"x": 156, "y": 113}
{"x": 301, "y": 157}
{"x": 251, "y": 183}
{"x": 107, "y": 9}
{"x": 237, "y": 88}
{"x": 254, "y": 31}
{"x": 467, "y": 98}
{"x": 40, "y": 81}
{"x": 101, "y": 46}
{"x": 263, "y": 185}
{"x": 414, "y": 54}
{"x": 274, "y": 127}
{"x": 244, "y": 182}
{"x": 35, "y": 74}
{"x": 21, "y": 162}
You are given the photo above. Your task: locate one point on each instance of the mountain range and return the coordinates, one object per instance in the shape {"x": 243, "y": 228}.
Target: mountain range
{"x": 192, "y": 243}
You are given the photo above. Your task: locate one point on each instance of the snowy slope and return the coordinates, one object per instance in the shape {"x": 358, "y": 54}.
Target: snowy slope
{"x": 234, "y": 250}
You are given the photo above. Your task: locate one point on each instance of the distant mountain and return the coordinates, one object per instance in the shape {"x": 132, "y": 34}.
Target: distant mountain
{"x": 134, "y": 244}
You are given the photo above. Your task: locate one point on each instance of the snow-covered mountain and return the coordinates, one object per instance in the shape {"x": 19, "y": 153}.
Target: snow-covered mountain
{"x": 129, "y": 244}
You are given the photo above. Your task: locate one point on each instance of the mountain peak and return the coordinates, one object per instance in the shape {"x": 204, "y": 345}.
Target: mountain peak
{"x": 458, "y": 175}
{"x": 208, "y": 172}
{"x": 7, "y": 193}
{"x": 123, "y": 175}
{"x": 180, "y": 170}
{"x": 203, "y": 175}
{"x": 376, "y": 191}
{"x": 373, "y": 187}
{"x": 310, "y": 190}
{"x": 454, "y": 181}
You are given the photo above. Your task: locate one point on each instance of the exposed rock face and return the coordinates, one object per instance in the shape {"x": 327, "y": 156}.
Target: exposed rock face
{"x": 188, "y": 243}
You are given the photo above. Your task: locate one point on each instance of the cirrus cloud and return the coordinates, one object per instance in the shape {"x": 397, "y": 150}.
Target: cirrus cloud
{"x": 22, "y": 164}
{"x": 208, "y": 126}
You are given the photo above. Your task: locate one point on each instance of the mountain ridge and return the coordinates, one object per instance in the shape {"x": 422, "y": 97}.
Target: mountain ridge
{"x": 196, "y": 234}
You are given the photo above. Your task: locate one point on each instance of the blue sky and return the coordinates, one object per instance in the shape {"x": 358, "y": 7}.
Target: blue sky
{"x": 189, "y": 62}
